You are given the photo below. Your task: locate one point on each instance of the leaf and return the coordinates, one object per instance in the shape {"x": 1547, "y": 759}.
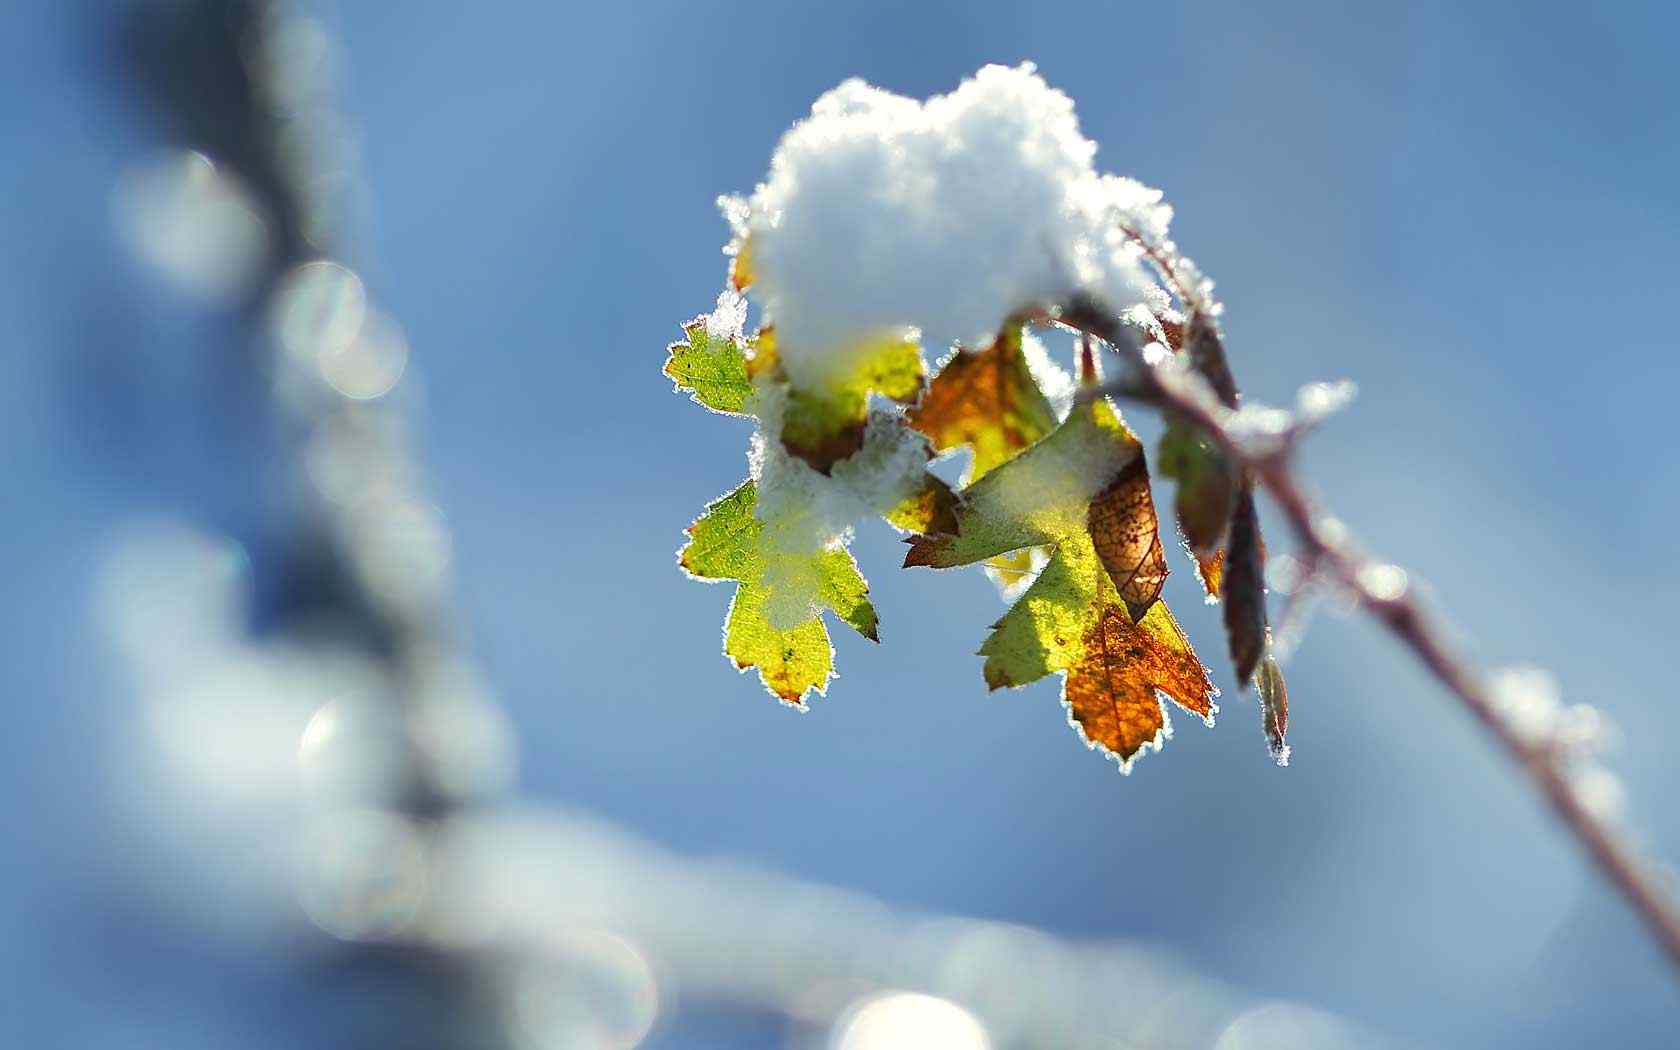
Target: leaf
{"x": 846, "y": 592}
{"x": 727, "y": 543}
{"x": 933, "y": 508}
{"x": 1041, "y": 496}
{"x": 1274, "y": 708}
{"x": 825, "y": 426}
{"x": 1014, "y": 572}
{"x": 1113, "y": 695}
{"x": 1127, "y": 536}
{"x": 741, "y": 275}
{"x": 724, "y": 541}
{"x": 1203, "y": 499}
{"x": 713, "y": 370}
{"x": 1243, "y": 588}
{"x": 1093, "y": 613}
{"x": 1238, "y": 576}
{"x": 988, "y": 400}
{"x": 1072, "y": 620}
{"x": 791, "y": 662}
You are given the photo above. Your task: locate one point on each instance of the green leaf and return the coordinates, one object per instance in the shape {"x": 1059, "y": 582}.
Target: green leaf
{"x": 713, "y": 370}
{"x": 844, "y": 590}
{"x": 790, "y": 662}
{"x": 727, "y": 543}
{"x": 724, "y": 541}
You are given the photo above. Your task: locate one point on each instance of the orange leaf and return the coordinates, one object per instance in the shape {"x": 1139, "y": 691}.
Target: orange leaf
{"x": 987, "y": 399}
{"x": 1113, "y": 694}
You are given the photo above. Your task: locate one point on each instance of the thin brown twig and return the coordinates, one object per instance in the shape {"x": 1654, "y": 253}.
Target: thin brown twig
{"x": 1269, "y": 459}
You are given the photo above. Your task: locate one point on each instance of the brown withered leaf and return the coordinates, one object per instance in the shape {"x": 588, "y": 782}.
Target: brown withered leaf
{"x": 1127, "y": 536}
{"x": 1113, "y": 693}
{"x": 988, "y": 400}
{"x": 1243, "y": 589}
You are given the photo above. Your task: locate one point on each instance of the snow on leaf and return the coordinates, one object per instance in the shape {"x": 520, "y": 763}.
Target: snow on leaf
{"x": 1093, "y": 612}
{"x": 880, "y": 212}
{"x": 825, "y": 425}
{"x": 727, "y": 543}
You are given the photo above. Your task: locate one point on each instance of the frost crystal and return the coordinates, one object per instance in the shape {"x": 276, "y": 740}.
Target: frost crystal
{"x": 881, "y": 214}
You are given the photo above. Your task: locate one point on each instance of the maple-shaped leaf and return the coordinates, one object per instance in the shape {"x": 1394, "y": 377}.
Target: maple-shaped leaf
{"x": 716, "y": 370}
{"x": 727, "y": 543}
{"x": 825, "y": 426}
{"x": 1094, "y": 612}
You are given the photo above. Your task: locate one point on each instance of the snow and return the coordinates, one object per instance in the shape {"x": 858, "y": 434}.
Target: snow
{"x": 881, "y": 214}
{"x": 805, "y": 511}
{"x": 1055, "y": 382}
{"x": 725, "y": 322}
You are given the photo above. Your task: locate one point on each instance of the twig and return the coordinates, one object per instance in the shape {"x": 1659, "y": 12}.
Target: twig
{"x": 1267, "y": 454}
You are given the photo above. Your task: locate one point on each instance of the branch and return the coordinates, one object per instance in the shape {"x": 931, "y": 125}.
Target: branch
{"x": 1261, "y": 442}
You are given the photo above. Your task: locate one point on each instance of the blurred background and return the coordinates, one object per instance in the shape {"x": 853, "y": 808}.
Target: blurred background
{"x": 356, "y": 698}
